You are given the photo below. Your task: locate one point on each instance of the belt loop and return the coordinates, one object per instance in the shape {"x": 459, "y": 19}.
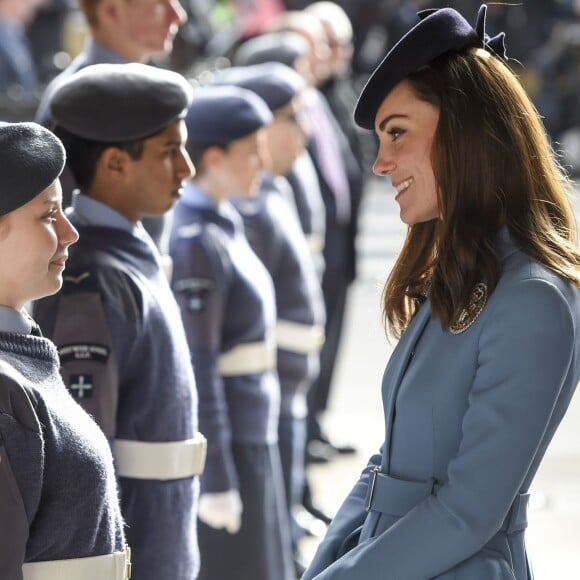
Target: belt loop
{"x": 374, "y": 475}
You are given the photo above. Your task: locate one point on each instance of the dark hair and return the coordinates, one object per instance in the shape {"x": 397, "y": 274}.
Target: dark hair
{"x": 494, "y": 166}
{"x": 83, "y": 154}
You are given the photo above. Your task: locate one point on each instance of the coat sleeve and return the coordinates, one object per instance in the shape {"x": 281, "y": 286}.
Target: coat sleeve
{"x": 200, "y": 286}
{"x": 525, "y": 351}
{"x": 346, "y": 524}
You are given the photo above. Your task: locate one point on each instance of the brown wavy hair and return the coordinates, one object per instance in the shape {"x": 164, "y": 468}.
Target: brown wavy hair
{"x": 494, "y": 166}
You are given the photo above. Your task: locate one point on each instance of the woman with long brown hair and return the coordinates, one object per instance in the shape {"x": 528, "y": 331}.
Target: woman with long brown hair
{"x": 485, "y": 299}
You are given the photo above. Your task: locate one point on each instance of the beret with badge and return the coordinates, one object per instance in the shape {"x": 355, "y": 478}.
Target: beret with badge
{"x": 219, "y": 115}
{"x": 439, "y": 31}
{"x": 116, "y": 103}
{"x": 31, "y": 158}
{"x": 274, "y": 82}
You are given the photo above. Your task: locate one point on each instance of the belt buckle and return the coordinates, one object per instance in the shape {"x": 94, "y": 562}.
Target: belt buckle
{"x": 374, "y": 474}
{"x": 127, "y": 571}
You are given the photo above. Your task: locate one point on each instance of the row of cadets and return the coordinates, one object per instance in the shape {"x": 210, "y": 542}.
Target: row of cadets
{"x": 123, "y": 351}
{"x": 274, "y": 233}
{"x": 228, "y": 306}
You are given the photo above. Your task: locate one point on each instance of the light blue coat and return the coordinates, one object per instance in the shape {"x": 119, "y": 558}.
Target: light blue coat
{"x": 468, "y": 419}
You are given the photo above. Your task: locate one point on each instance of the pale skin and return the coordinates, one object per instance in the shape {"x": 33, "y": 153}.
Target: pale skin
{"x": 138, "y": 30}
{"x": 405, "y": 126}
{"x": 34, "y": 241}
{"x": 150, "y": 185}
{"x": 236, "y": 169}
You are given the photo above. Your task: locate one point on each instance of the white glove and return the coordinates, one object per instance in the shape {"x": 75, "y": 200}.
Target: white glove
{"x": 221, "y": 510}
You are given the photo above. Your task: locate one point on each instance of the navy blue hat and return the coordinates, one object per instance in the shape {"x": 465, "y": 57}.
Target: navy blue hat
{"x": 284, "y": 47}
{"x": 115, "y": 103}
{"x": 439, "y": 31}
{"x": 219, "y": 115}
{"x": 275, "y": 83}
{"x": 31, "y": 158}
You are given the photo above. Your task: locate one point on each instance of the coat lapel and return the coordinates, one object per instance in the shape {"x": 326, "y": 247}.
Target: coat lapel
{"x": 396, "y": 370}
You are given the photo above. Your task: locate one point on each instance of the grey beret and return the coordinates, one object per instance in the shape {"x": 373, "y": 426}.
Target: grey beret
{"x": 439, "y": 32}
{"x": 284, "y": 47}
{"x": 274, "y": 82}
{"x": 219, "y": 115}
{"x": 31, "y": 158}
{"x": 111, "y": 103}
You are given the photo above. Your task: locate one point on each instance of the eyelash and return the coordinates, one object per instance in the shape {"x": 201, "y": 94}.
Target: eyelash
{"x": 50, "y": 216}
{"x": 395, "y": 133}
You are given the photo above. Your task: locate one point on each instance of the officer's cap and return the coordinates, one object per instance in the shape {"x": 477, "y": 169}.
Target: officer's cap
{"x": 273, "y": 82}
{"x": 285, "y": 47}
{"x": 115, "y": 103}
{"x": 31, "y": 158}
{"x": 439, "y": 31}
{"x": 219, "y": 115}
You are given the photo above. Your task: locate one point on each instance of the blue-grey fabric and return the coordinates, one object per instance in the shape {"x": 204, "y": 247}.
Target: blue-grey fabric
{"x": 285, "y": 47}
{"x": 261, "y": 549}
{"x": 117, "y": 302}
{"x": 276, "y": 238}
{"x": 31, "y": 158}
{"x": 60, "y": 460}
{"x": 115, "y": 103}
{"x": 475, "y": 411}
{"x": 219, "y": 115}
{"x": 227, "y": 300}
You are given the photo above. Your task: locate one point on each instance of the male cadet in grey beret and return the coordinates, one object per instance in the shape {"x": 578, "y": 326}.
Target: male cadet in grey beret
{"x": 275, "y": 234}
{"x": 123, "y": 349}
{"x": 59, "y": 510}
{"x": 228, "y": 307}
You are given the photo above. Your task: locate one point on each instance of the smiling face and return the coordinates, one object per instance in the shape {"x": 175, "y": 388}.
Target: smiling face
{"x": 33, "y": 248}
{"x": 406, "y": 126}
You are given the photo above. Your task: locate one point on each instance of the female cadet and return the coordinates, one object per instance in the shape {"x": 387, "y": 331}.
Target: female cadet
{"x": 227, "y": 303}
{"x": 274, "y": 233}
{"x": 59, "y": 513}
{"x": 485, "y": 297}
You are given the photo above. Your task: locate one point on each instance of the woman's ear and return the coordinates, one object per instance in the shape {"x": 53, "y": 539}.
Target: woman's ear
{"x": 212, "y": 158}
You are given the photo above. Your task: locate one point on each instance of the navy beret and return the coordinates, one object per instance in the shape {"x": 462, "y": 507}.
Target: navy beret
{"x": 284, "y": 47}
{"x": 31, "y": 158}
{"x": 219, "y": 115}
{"x": 439, "y": 31}
{"x": 275, "y": 83}
{"x": 115, "y": 103}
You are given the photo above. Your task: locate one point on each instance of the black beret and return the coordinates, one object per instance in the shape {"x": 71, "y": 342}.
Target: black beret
{"x": 219, "y": 115}
{"x": 438, "y": 32}
{"x": 275, "y": 83}
{"x": 114, "y": 103}
{"x": 31, "y": 158}
{"x": 284, "y": 47}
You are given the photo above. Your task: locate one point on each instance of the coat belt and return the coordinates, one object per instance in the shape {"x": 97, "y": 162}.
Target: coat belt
{"x": 115, "y": 566}
{"x": 160, "y": 460}
{"x": 396, "y": 497}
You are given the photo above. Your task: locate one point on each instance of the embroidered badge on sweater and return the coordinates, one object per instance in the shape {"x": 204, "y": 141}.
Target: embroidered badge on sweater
{"x": 469, "y": 315}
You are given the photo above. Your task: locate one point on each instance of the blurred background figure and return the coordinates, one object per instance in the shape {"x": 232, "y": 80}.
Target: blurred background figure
{"x": 18, "y": 75}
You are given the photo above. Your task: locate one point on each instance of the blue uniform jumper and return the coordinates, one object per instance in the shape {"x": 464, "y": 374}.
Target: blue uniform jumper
{"x": 58, "y": 493}
{"x": 124, "y": 357}
{"x": 227, "y": 304}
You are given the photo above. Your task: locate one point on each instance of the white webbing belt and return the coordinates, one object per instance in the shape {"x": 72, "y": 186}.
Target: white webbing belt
{"x": 160, "y": 460}
{"x": 115, "y": 566}
{"x": 249, "y": 358}
{"x": 297, "y": 337}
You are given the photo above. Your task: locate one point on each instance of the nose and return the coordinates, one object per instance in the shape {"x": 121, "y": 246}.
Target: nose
{"x": 186, "y": 169}
{"x": 67, "y": 233}
{"x": 177, "y": 12}
{"x": 383, "y": 164}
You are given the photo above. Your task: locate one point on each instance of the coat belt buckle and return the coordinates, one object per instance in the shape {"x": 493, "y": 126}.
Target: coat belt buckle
{"x": 374, "y": 474}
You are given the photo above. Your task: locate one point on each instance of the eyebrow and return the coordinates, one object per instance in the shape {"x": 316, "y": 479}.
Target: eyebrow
{"x": 384, "y": 122}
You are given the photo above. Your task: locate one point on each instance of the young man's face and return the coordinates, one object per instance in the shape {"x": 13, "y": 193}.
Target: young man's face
{"x": 154, "y": 182}
{"x": 286, "y": 137}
